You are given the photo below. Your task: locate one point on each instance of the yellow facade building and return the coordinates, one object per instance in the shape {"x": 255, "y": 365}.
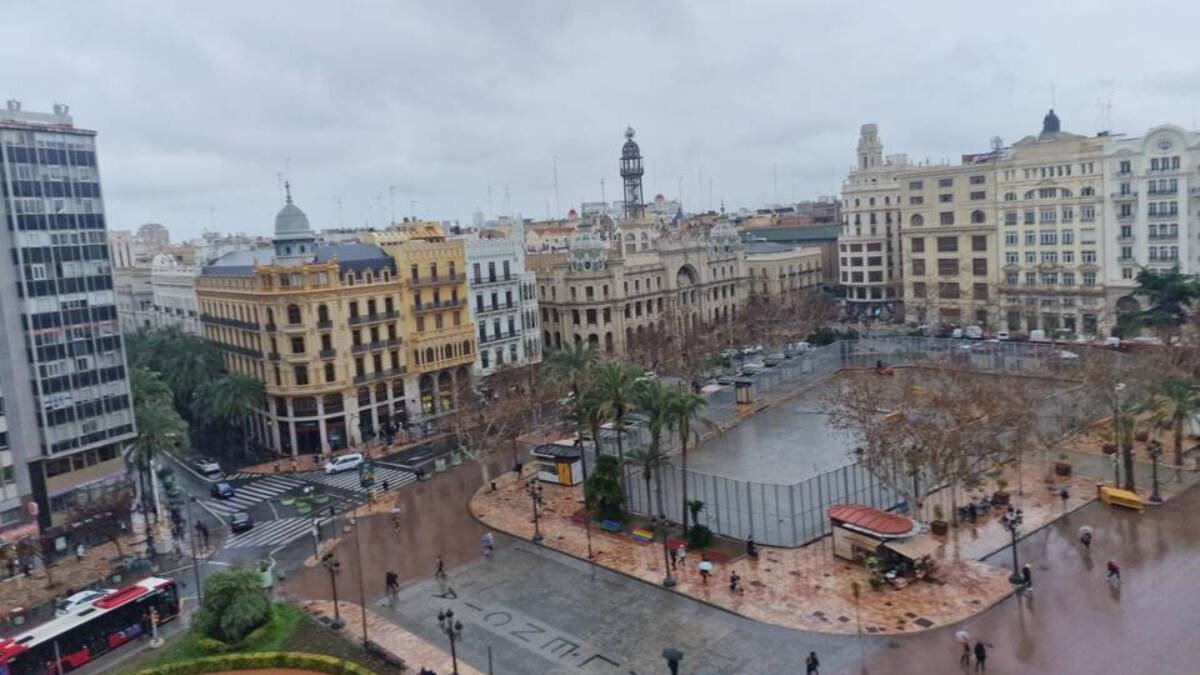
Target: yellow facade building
{"x": 349, "y": 338}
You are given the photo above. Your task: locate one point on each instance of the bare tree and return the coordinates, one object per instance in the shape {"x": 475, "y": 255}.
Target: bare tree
{"x": 493, "y": 412}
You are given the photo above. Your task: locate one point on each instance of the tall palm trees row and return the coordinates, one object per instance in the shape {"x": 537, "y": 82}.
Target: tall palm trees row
{"x": 603, "y": 391}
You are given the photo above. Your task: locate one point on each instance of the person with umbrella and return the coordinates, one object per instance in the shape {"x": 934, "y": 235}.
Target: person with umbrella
{"x": 673, "y": 657}
{"x": 706, "y": 568}
{"x": 964, "y": 638}
{"x": 1085, "y": 537}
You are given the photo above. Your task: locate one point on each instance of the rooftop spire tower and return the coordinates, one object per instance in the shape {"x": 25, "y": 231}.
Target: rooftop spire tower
{"x": 631, "y": 173}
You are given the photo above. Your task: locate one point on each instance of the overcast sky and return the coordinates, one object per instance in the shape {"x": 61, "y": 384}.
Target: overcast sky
{"x": 201, "y": 107}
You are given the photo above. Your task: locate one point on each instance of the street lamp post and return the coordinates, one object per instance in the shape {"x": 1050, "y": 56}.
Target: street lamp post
{"x": 453, "y": 631}
{"x": 333, "y": 566}
{"x": 1155, "y": 452}
{"x": 534, "y": 488}
{"x": 1117, "y": 389}
{"x": 195, "y": 562}
{"x": 1013, "y": 523}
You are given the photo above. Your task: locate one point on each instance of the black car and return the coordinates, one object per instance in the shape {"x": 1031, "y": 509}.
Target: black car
{"x": 240, "y": 522}
{"x": 221, "y": 491}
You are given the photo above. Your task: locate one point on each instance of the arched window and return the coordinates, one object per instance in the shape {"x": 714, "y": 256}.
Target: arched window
{"x": 977, "y": 216}
{"x": 630, "y": 243}
{"x": 322, "y": 313}
{"x": 294, "y": 316}
{"x": 917, "y": 220}
{"x": 429, "y": 355}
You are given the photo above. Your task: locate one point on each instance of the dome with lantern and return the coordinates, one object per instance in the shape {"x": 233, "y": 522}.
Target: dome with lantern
{"x": 589, "y": 251}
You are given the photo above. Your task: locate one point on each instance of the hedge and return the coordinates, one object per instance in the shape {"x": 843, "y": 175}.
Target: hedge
{"x": 259, "y": 660}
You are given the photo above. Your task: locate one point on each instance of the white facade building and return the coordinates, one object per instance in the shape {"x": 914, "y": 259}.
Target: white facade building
{"x": 173, "y": 293}
{"x": 504, "y": 306}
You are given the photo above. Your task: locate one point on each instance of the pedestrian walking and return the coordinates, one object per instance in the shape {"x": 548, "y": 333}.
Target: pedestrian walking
{"x": 682, "y": 555}
{"x": 1027, "y": 578}
{"x": 385, "y": 485}
{"x": 964, "y": 640}
{"x": 441, "y": 569}
{"x": 733, "y": 582}
{"x": 751, "y": 548}
{"x": 812, "y": 664}
{"x": 1085, "y": 537}
{"x": 489, "y": 544}
{"x": 674, "y": 558}
{"x": 1064, "y": 495}
{"x": 705, "y": 568}
{"x": 980, "y": 656}
{"x": 1114, "y": 571}
{"x": 392, "y": 583}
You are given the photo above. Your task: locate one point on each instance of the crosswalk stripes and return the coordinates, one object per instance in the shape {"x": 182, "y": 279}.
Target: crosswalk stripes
{"x": 250, "y": 494}
{"x": 348, "y": 480}
{"x": 274, "y": 532}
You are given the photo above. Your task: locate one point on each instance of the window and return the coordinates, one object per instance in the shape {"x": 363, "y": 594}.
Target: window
{"x": 1011, "y": 278}
{"x": 919, "y": 289}
{"x": 948, "y": 291}
{"x": 1068, "y": 257}
{"x": 1031, "y": 278}
{"x": 1050, "y": 257}
{"x": 1011, "y": 239}
{"x": 976, "y": 196}
{"x": 947, "y": 244}
{"x": 1031, "y": 257}
{"x": 918, "y": 244}
{"x": 1049, "y": 237}
{"x": 1010, "y": 196}
{"x": 1068, "y": 279}
{"x": 297, "y": 345}
{"x": 1089, "y": 279}
{"x": 1087, "y": 256}
{"x": 1030, "y": 217}
{"x": 916, "y": 200}
{"x": 979, "y": 267}
{"x": 947, "y": 267}
{"x": 916, "y": 220}
{"x": 1030, "y": 238}
{"x": 916, "y": 185}
{"x": 301, "y": 374}
{"x": 945, "y": 182}
{"x": 978, "y": 180}
{"x": 979, "y": 291}
{"x": 918, "y": 268}
{"x": 1066, "y": 237}
{"x": 946, "y": 217}
{"x": 330, "y": 374}
{"x": 1012, "y": 258}
{"x": 979, "y": 242}
{"x": 945, "y": 198}
{"x": 1126, "y": 253}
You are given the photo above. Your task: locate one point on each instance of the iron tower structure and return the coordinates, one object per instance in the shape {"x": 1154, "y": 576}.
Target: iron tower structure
{"x": 631, "y": 173}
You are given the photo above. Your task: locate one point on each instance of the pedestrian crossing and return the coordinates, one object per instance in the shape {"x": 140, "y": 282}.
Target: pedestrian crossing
{"x": 249, "y": 494}
{"x": 275, "y": 532}
{"x": 348, "y": 480}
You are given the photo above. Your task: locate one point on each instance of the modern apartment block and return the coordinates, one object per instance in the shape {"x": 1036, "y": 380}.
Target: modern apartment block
{"x": 503, "y": 301}
{"x": 67, "y": 405}
{"x": 869, "y": 246}
{"x": 1045, "y": 234}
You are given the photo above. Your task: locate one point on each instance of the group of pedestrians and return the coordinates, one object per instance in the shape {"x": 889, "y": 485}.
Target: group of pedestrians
{"x": 979, "y": 651}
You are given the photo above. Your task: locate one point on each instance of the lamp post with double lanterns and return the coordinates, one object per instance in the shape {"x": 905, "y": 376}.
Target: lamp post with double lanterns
{"x": 453, "y": 630}
{"x": 1012, "y": 521}
{"x": 534, "y": 488}
{"x": 333, "y": 567}
{"x": 1155, "y": 451}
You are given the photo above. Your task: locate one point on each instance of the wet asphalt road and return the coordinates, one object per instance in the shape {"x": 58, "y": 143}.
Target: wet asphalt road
{"x": 1074, "y": 621}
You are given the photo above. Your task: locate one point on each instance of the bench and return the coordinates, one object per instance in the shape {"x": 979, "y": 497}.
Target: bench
{"x": 1118, "y": 497}
{"x": 642, "y": 536}
{"x": 610, "y": 525}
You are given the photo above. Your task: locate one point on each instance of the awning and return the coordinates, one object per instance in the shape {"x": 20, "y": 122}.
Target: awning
{"x": 914, "y": 548}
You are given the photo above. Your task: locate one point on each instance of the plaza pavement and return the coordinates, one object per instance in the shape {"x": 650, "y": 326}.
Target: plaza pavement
{"x": 802, "y": 588}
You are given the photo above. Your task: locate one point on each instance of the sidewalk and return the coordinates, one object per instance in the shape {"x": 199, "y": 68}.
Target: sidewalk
{"x": 807, "y": 587}
{"x": 417, "y": 653}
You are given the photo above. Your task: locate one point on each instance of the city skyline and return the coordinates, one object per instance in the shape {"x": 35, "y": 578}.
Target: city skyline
{"x": 421, "y": 112}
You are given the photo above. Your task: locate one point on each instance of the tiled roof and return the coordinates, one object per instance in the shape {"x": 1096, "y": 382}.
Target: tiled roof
{"x": 872, "y": 520}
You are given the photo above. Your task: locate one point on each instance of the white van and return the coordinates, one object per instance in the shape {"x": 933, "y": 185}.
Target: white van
{"x": 344, "y": 463}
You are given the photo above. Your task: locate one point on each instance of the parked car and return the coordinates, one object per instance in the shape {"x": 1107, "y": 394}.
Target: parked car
{"x": 1003, "y": 335}
{"x": 222, "y": 491}
{"x": 725, "y": 380}
{"x": 773, "y": 359}
{"x": 207, "y": 467}
{"x": 79, "y": 600}
{"x": 240, "y": 522}
{"x": 344, "y": 463}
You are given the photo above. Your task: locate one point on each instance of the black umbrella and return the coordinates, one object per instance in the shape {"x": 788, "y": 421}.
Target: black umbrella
{"x": 672, "y": 654}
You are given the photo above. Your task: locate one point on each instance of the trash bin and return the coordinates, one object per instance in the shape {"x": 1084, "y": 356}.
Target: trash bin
{"x": 744, "y": 390}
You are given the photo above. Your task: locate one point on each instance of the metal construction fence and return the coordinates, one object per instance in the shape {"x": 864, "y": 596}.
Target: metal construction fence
{"x": 794, "y": 514}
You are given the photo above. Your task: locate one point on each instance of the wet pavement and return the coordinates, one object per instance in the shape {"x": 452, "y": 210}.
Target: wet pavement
{"x": 1075, "y": 621}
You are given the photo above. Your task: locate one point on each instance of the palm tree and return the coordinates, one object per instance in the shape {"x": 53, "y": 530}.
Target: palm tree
{"x": 589, "y": 411}
{"x": 159, "y": 426}
{"x": 652, "y": 461}
{"x": 186, "y": 364}
{"x": 653, "y": 400}
{"x": 1174, "y": 400}
{"x": 685, "y": 410}
{"x": 614, "y": 383}
{"x": 227, "y": 402}
{"x": 573, "y": 366}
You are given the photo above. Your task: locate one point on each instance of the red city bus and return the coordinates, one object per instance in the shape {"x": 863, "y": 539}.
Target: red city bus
{"x": 91, "y": 630}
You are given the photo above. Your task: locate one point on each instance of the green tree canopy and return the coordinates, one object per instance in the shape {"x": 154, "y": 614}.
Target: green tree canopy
{"x": 605, "y": 496}
{"x": 235, "y": 603}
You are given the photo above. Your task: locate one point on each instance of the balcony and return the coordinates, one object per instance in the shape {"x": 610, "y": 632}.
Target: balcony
{"x": 495, "y": 308}
{"x": 230, "y": 323}
{"x": 481, "y": 281}
{"x": 373, "y": 318}
{"x": 1162, "y": 192}
{"x": 437, "y": 280}
{"x": 274, "y": 356}
{"x": 1163, "y": 236}
{"x": 1163, "y": 214}
{"x": 295, "y": 327}
{"x": 271, "y": 327}
{"x": 379, "y": 375}
{"x": 1125, "y": 259}
{"x": 372, "y": 346}
{"x": 1124, "y": 196}
{"x": 324, "y": 325}
{"x": 435, "y": 306}
{"x": 1126, "y": 217}
{"x": 328, "y": 353}
{"x": 1125, "y": 239}
{"x": 496, "y": 338}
